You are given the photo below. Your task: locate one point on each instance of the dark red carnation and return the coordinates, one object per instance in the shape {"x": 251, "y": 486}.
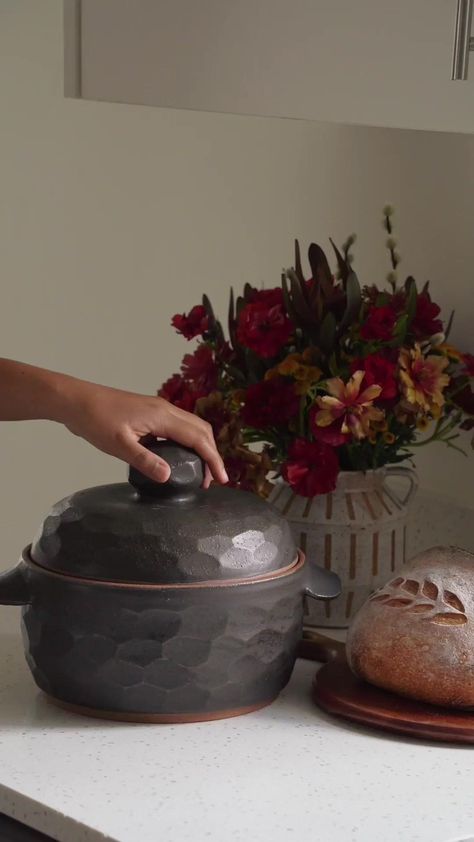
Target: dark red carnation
{"x": 201, "y": 369}
{"x": 379, "y": 324}
{"x": 380, "y": 371}
{"x": 263, "y": 324}
{"x": 311, "y": 468}
{"x": 179, "y": 393}
{"x": 463, "y": 398}
{"x": 270, "y": 297}
{"x": 468, "y": 360}
{"x": 425, "y": 322}
{"x": 194, "y": 324}
{"x": 270, "y": 403}
{"x": 332, "y": 434}
{"x": 398, "y": 302}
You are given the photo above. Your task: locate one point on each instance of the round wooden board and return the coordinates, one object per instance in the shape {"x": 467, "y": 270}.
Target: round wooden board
{"x": 337, "y": 691}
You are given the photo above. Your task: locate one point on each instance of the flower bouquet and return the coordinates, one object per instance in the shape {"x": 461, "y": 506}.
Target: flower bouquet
{"x": 320, "y": 375}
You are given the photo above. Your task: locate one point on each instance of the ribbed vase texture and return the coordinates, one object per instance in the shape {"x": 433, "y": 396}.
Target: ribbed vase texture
{"x": 359, "y": 531}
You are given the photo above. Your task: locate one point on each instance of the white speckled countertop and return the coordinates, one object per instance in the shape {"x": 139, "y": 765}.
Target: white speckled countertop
{"x": 288, "y": 772}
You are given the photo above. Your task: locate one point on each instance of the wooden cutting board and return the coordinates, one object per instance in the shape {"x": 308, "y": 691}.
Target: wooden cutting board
{"x": 337, "y": 691}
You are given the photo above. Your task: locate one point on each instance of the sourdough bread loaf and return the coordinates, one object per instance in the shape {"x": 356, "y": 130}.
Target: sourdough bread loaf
{"x": 415, "y": 636}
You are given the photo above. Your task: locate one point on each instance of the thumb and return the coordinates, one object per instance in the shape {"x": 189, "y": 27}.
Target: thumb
{"x": 146, "y": 462}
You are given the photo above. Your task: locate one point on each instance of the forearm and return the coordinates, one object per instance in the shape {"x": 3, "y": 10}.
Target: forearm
{"x": 28, "y": 392}
{"x": 112, "y": 420}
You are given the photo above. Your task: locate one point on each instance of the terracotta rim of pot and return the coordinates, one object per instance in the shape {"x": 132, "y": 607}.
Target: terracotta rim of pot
{"x": 157, "y": 718}
{"x": 289, "y": 570}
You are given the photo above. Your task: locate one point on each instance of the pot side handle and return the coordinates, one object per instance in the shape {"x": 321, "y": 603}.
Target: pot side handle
{"x": 321, "y": 583}
{"x": 14, "y": 588}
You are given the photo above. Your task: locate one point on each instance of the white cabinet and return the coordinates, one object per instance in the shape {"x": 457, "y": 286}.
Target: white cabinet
{"x": 372, "y": 62}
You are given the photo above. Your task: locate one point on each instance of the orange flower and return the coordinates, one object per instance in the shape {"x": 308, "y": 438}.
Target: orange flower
{"x": 450, "y": 351}
{"x": 345, "y": 401}
{"x": 423, "y": 422}
{"x": 296, "y": 366}
{"x": 423, "y": 379}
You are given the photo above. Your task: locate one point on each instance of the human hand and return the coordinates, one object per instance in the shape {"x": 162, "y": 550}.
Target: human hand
{"x": 112, "y": 420}
{"x": 115, "y": 422}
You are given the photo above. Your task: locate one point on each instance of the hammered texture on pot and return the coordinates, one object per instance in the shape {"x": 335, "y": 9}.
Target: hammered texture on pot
{"x": 162, "y": 651}
{"x": 109, "y": 533}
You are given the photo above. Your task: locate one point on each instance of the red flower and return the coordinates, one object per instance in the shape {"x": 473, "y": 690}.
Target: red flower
{"x": 194, "y": 324}
{"x": 266, "y": 296}
{"x": 464, "y": 398}
{"x": 311, "y": 468}
{"x": 425, "y": 322}
{"x": 379, "y": 371}
{"x": 201, "y": 369}
{"x": 468, "y": 360}
{"x": 179, "y": 393}
{"x": 263, "y": 325}
{"x": 269, "y": 403}
{"x": 331, "y": 434}
{"x": 398, "y": 302}
{"x": 379, "y": 324}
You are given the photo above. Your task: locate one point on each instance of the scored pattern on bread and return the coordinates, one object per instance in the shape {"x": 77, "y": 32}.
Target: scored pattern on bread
{"x": 423, "y": 597}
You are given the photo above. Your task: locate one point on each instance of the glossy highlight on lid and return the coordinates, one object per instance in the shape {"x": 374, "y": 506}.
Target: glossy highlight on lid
{"x": 168, "y": 533}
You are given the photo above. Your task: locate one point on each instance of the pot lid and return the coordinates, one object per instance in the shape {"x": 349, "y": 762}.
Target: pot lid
{"x": 164, "y": 533}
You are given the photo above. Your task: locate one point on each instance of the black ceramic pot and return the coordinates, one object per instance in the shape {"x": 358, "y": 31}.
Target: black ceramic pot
{"x": 163, "y": 603}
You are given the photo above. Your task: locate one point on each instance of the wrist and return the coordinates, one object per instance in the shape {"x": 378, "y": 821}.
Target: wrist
{"x": 62, "y": 395}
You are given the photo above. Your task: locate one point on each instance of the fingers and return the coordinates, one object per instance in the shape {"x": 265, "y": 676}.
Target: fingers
{"x": 207, "y": 477}
{"x": 202, "y": 441}
{"x": 193, "y": 432}
{"x": 144, "y": 461}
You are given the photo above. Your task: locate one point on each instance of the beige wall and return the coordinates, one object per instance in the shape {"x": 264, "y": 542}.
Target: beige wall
{"x": 114, "y": 217}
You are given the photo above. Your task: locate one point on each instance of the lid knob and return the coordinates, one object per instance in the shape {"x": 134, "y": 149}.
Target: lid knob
{"x": 187, "y": 472}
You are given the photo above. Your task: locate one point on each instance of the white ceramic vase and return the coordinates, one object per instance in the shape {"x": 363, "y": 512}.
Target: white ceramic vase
{"x": 359, "y": 531}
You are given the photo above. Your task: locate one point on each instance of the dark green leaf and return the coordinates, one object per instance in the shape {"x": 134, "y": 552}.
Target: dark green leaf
{"x": 239, "y": 306}
{"x": 383, "y": 299}
{"x": 315, "y": 298}
{"x": 215, "y": 326}
{"x": 210, "y": 312}
{"x": 298, "y": 267}
{"x": 448, "y": 327}
{"x": 327, "y": 333}
{"x": 343, "y": 266}
{"x": 232, "y": 323}
{"x": 320, "y": 269}
{"x": 354, "y": 301}
{"x": 236, "y": 373}
{"x": 401, "y": 326}
{"x": 288, "y": 301}
{"x": 299, "y": 299}
{"x": 333, "y": 366}
{"x": 411, "y": 299}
